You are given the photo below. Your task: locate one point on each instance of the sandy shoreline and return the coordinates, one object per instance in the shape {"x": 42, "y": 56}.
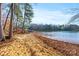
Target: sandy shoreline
{"x": 35, "y": 44}
{"x": 66, "y": 48}
{"x": 27, "y": 45}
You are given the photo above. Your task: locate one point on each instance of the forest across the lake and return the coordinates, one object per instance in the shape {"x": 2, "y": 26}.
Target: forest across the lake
{"x": 50, "y": 27}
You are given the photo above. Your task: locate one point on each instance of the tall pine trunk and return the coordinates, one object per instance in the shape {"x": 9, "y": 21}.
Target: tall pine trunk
{"x": 17, "y": 23}
{"x": 6, "y": 19}
{"x": 1, "y": 30}
{"x": 23, "y": 20}
{"x": 11, "y": 22}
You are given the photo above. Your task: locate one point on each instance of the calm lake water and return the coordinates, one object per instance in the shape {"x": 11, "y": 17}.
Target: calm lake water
{"x": 71, "y": 37}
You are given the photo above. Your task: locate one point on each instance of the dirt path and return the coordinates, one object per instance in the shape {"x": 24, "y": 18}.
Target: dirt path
{"x": 27, "y": 45}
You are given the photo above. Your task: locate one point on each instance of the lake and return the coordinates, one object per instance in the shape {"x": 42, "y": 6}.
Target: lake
{"x": 71, "y": 37}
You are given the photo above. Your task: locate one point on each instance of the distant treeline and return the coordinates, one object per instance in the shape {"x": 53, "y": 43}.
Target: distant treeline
{"x": 47, "y": 27}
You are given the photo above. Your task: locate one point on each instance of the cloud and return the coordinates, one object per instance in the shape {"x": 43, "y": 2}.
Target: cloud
{"x": 50, "y": 17}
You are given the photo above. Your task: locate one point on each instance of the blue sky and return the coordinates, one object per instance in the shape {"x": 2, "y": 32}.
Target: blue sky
{"x": 53, "y": 13}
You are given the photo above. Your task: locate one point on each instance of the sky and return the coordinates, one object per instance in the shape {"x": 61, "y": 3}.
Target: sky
{"x": 54, "y": 13}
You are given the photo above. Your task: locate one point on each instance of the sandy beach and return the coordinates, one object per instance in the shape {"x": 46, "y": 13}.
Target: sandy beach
{"x": 66, "y": 48}
{"x": 35, "y": 44}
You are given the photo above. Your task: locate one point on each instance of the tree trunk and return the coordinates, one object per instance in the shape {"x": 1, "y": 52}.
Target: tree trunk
{"x": 1, "y": 30}
{"x": 23, "y": 27}
{"x": 17, "y": 23}
{"x": 24, "y": 19}
{"x": 11, "y": 22}
{"x": 23, "y": 24}
{"x": 6, "y": 19}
